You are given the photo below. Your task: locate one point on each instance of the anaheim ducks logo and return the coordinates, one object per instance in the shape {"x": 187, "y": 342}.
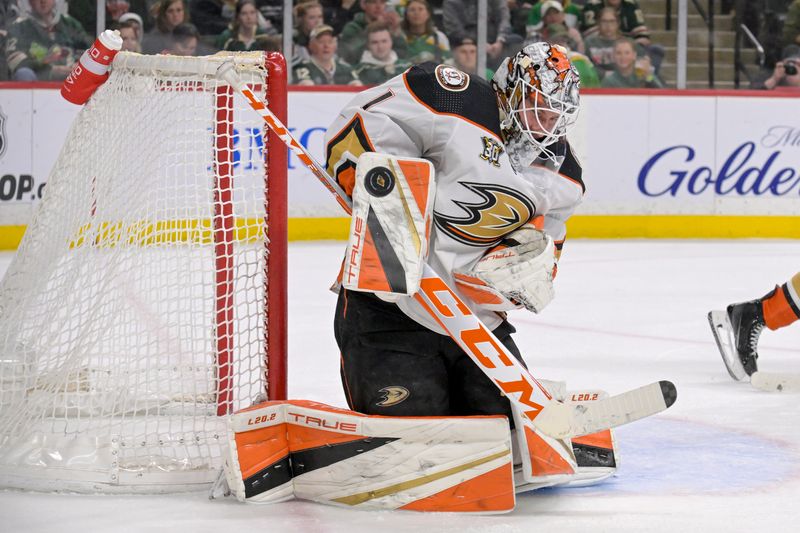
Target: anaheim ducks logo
{"x": 393, "y": 395}
{"x": 500, "y": 211}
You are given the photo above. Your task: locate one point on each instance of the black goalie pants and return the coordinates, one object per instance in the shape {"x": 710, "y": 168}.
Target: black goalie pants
{"x": 393, "y": 366}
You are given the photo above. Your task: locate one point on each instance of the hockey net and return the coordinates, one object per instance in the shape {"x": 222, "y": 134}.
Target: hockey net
{"x": 147, "y": 298}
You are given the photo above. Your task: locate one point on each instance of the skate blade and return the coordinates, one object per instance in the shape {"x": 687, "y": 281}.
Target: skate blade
{"x": 776, "y": 382}
{"x": 723, "y": 335}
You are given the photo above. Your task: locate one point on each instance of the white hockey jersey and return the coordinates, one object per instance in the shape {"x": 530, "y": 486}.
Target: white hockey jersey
{"x": 450, "y": 118}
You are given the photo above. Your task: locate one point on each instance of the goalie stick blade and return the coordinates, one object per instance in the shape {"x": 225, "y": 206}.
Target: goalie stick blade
{"x": 586, "y": 418}
{"x": 775, "y": 381}
{"x": 669, "y": 391}
{"x": 723, "y": 335}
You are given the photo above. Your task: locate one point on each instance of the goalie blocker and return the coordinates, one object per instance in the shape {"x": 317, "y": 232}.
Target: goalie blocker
{"x": 390, "y": 225}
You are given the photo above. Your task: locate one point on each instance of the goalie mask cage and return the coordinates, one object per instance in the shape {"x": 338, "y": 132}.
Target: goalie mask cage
{"x": 147, "y": 298}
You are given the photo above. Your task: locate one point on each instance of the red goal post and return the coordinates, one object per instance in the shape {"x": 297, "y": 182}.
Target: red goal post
{"x": 147, "y": 298}
{"x": 276, "y": 165}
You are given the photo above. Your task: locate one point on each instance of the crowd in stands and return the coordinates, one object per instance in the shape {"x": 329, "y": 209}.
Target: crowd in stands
{"x": 356, "y": 42}
{"x": 776, "y": 24}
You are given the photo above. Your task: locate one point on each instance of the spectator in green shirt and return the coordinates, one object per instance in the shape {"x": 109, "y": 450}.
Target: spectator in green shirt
{"x": 630, "y": 16}
{"x": 572, "y": 14}
{"x": 323, "y": 67}
{"x": 307, "y": 16}
{"x": 631, "y": 24}
{"x": 600, "y": 45}
{"x": 630, "y": 72}
{"x": 379, "y": 63}
{"x": 425, "y": 41}
{"x": 45, "y": 45}
{"x": 354, "y": 34}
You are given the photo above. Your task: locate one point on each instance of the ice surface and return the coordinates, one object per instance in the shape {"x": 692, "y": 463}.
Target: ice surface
{"x": 725, "y": 457}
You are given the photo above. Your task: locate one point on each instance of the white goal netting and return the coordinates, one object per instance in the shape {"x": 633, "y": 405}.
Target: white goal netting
{"x": 134, "y": 314}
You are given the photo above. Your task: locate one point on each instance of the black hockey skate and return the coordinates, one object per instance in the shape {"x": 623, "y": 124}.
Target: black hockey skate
{"x": 737, "y": 331}
{"x": 747, "y": 321}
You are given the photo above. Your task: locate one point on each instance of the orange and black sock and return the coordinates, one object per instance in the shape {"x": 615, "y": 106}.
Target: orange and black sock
{"x": 782, "y": 305}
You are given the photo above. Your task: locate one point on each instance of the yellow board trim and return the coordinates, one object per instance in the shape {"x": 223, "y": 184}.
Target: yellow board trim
{"x": 683, "y": 227}
{"x": 10, "y": 237}
{"x": 610, "y": 227}
{"x": 319, "y": 229}
{"x": 579, "y": 226}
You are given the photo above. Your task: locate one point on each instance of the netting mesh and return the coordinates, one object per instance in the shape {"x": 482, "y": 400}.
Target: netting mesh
{"x": 134, "y": 311}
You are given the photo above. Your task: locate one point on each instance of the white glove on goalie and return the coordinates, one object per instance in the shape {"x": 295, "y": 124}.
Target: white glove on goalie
{"x": 516, "y": 273}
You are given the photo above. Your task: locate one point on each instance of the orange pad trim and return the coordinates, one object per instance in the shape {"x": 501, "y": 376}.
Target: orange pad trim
{"x": 545, "y": 460}
{"x": 601, "y": 439}
{"x": 488, "y": 492}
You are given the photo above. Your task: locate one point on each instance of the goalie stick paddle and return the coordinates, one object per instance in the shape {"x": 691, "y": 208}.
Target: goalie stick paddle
{"x": 621, "y": 409}
{"x": 526, "y": 394}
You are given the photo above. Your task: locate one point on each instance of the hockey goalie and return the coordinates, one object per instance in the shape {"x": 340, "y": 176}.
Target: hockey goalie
{"x": 477, "y": 179}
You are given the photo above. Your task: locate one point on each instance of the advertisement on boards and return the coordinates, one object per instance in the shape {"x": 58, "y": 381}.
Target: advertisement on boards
{"x": 33, "y": 126}
{"x": 682, "y": 155}
{"x": 699, "y": 154}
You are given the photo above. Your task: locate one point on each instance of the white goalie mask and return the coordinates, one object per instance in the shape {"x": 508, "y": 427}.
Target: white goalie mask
{"x": 537, "y": 90}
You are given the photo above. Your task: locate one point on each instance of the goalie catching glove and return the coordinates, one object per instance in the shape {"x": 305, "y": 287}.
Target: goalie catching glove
{"x": 516, "y": 273}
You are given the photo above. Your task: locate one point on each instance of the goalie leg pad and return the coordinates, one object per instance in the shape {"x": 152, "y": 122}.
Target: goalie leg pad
{"x": 390, "y": 227}
{"x": 339, "y": 457}
{"x": 257, "y": 467}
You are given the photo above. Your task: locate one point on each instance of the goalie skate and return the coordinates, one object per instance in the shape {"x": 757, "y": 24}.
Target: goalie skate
{"x": 723, "y": 335}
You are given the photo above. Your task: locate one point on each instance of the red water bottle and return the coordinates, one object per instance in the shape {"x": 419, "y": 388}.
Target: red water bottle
{"x": 91, "y": 71}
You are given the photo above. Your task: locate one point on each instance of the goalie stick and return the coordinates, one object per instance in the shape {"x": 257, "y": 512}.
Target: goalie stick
{"x": 533, "y": 403}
